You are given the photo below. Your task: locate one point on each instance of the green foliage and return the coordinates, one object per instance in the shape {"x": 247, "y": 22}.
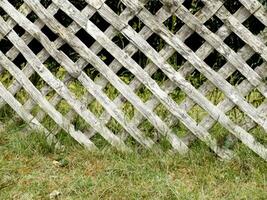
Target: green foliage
{"x": 30, "y": 170}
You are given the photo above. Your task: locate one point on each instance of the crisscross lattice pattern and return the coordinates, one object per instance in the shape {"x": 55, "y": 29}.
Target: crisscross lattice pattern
{"x": 96, "y": 73}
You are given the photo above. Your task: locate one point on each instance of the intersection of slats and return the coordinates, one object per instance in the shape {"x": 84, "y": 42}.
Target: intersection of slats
{"x": 54, "y": 91}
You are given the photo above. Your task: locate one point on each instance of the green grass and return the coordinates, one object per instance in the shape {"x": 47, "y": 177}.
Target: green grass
{"x": 31, "y": 169}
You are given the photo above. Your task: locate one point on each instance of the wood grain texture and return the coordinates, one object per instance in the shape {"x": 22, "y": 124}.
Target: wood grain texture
{"x": 234, "y": 96}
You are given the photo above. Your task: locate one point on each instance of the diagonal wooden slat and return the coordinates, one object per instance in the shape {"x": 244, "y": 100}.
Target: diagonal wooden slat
{"x": 120, "y": 85}
{"x": 61, "y": 88}
{"x": 170, "y": 104}
{"x": 217, "y": 80}
{"x": 53, "y": 91}
{"x": 44, "y": 104}
{"x": 27, "y": 117}
{"x": 166, "y": 52}
{"x": 221, "y": 117}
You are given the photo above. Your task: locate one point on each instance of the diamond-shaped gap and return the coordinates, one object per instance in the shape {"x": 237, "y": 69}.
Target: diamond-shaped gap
{"x": 148, "y": 129}
{"x": 153, "y": 6}
{"x": 125, "y": 75}
{"x": 32, "y": 17}
{"x": 16, "y": 3}
{"x": 236, "y": 78}
{"x": 6, "y": 113}
{"x": 196, "y": 78}
{"x": 156, "y": 42}
{"x": 215, "y": 96}
{"x": 128, "y": 109}
{"x": 238, "y": 116}
{"x": 263, "y": 2}
{"x": 50, "y": 124}
{"x": 96, "y": 108}
{"x": 6, "y": 78}
{"x": 144, "y": 93}
{"x": 160, "y": 77}
{"x": 178, "y": 95}
{"x": 46, "y": 3}
{"x": 19, "y": 30}
{"x": 91, "y": 71}
{"x": 5, "y": 45}
{"x": 114, "y": 126}
{"x": 37, "y": 81}
{"x": 129, "y": 140}
{"x": 20, "y": 61}
{"x": 234, "y": 42}
{"x": 178, "y": 127}
{"x": 224, "y": 138}
{"x": 260, "y": 134}
{"x": 136, "y": 24}
{"x": 254, "y": 25}
{"x": 99, "y": 21}
{"x": 63, "y": 107}
{"x": 120, "y": 41}
{"x": 111, "y": 91}
{"x": 194, "y": 42}
{"x": 77, "y": 89}
{"x": 52, "y": 65}
{"x": 87, "y": 39}
{"x": 105, "y": 56}
{"x": 3, "y": 14}
{"x": 22, "y": 96}
{"x": 174, "y": 24}
{"x": 80, "y": 5}
{"x": 255, "y": 61}
{"x": 176, "y": 60}
{"x": 215, "y": 60}
{"x": 140, "y": 58}
{"x": 232, "y": 6}
{"x": 214, "y": 23}
{"x": 162, "y": 111}
{"x": 80, "y": 124}
{"x": 116, "y": 5}
{"x": 193, "y": 5}
{"x": 63, "y": 18}
{"x": 50, "y": 34}
{"x": 36, "y": 109}
{"x": 255, "y": 98}
{"x": 61, "y": 73}
{"x": 197, "y": 113}
{"x": 70, "y": 52}
{"x": 169, "y": 119}
{"x": 49, "y": 94}
{"x": 35, "y": 46}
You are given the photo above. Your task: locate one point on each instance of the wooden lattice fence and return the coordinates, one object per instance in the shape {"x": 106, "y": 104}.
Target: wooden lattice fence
{"x": 86, "y": 55}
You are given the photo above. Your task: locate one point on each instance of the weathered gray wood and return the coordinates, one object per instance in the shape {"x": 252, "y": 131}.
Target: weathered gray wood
{"x": 174, "y": 76}
{"x": 109, "y": 74}
{"x": 43, "y": 103}
{"x": 257, "y": 9}
{"x": 27, "y": 117}
{"x": 166, "y": 52}
{"x": 225, "y": 71}
{"x": 234, "y": 95}
{"x": 59, "y": 86}
{"x": 88, "y": 116}
{"x": 217, "y": 80}
{"x": 146, "y": 80}
{"x": 204, "y": 14}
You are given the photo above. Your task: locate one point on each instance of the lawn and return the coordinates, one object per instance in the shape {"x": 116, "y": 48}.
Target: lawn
{"x": 31, "y": 169}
